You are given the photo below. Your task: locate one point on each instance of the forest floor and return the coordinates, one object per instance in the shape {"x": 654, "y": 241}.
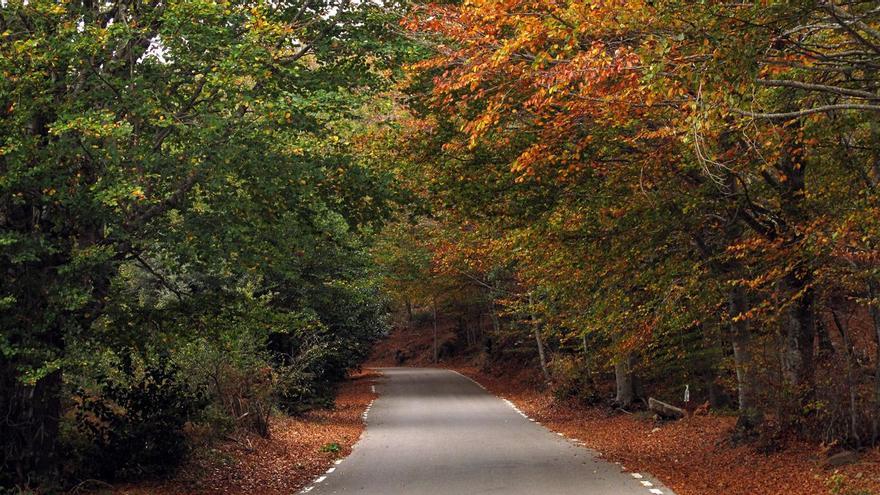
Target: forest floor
{"x": 693, "y": 456}
{"x": 298, "y": 450}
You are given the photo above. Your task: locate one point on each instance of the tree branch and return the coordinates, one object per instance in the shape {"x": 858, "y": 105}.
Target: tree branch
{"x": 808, "y": 111}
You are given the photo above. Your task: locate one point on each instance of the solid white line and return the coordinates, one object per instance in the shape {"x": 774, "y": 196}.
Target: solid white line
{"x": 471, "y": 379}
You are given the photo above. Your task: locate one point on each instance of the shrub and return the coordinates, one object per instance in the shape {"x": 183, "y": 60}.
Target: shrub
{"x": 572, "y": 382}
{"x": 135, "y": 427}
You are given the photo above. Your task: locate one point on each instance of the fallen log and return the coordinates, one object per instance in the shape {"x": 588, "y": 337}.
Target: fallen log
{"x": 664, "y": 410}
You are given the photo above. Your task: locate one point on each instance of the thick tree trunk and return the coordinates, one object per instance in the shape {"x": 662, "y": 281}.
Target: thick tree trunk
{"x": 664, "y": 410}
{"x": 625, "y": 380}
{"x": 29, "y": 427}
{"x": 746, "y": 370}
{"x": 874, "y": 294}
{"x": 798, "y": 333}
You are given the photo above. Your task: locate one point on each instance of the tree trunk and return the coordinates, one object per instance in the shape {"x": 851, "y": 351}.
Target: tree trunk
{"x": 664, "y": 410}
{"x": 29, "y": 427}
{"x": 826, "y": 347}
{"x": 746, "y": 371}
{"x": 434, "y": 318}
{"x": 588, "y": 365}
{"x": 409, "y": 312}
{"x": 625, "y": 380}
{"x": 496, "y": 325}
{"x": 874, "y": 293}
{"x": 850, "y": 382}
{"x": 798, "y": 334}
{"x": 542, "y": 356}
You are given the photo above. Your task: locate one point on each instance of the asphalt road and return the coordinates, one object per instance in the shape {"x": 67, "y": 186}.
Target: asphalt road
{"x": 436, "y": 432}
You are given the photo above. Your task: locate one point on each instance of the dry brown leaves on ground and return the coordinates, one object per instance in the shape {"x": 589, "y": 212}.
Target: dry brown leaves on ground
{"x": 691, "y": 456}
{"x": 281, "y": 464}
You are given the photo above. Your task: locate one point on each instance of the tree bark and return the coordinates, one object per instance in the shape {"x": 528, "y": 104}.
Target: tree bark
{"x": 29, "y": 427}
{"x": 798, "y": 333}
{"x": 874, "y": 308}
{"x": 542, "y": 356}
{"x": 665, "y": 410}
{"x": 434, "y": 318}
{"x": 850, "y": 382}
{"x": 496, "y": 325}
{"x": 588, "y": 365}
{"x": 746, "y": 371}
{"x": 625, "y": 381}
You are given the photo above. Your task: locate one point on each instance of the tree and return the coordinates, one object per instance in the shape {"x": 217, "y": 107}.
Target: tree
{"x": 193, "y": 138}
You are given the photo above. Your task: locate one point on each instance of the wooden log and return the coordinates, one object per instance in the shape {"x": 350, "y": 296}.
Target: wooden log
{"x": 665, "y": 410}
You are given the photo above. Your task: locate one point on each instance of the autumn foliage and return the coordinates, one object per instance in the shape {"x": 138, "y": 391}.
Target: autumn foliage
{"x": 686, "y": 192}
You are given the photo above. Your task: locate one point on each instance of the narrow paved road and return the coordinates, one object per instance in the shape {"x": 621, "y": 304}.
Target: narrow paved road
{"x": 436, "y": 432}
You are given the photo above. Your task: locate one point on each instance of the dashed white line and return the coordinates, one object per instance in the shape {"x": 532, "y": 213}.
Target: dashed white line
{"x": 636, "y": 475}
{"x": 337, "y": 462}
{"x": 331, "y": 470}
{"x": 322, "y": 478}
{"x": 647, "y": 483}
{"x": 656, "y": 491}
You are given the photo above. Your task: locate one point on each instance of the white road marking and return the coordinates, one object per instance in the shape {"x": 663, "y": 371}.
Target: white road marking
{"x": 307, "y": 490}
{"x": 636, "y": 475}
{"x": 656, "y": 491}
{"x": 322, "y": 478}
{"x": 469, "y": 378}
{"x": 647, "y": 483}
{"x": 331, "y": 470}
{"x": 337, "y": 462}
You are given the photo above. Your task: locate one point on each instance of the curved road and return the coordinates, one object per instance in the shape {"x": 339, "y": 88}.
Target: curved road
{"x": 434, "y": 432}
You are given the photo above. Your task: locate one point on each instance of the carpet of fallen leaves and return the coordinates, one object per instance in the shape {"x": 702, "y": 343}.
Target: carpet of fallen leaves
{"x": 282, "y": 464}
{"x": 692, "y": 456}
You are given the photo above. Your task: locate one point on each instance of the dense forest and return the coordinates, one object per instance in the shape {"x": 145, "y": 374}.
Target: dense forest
{"x": 682, "y": 193}
{"x": 210, "y": 209}
{"x": 184, "y": 223}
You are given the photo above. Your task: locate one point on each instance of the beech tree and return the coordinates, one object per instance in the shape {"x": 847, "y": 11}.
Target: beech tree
{"x": 669, "y": 167}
